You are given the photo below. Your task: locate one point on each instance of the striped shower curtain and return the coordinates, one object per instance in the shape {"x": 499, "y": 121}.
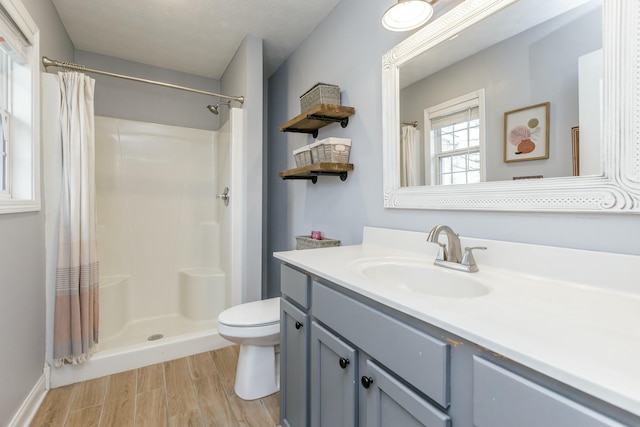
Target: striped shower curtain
{"x": 76, "y": 300}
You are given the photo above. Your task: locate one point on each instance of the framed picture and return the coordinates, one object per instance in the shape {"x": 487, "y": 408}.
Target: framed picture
{"x": 517, "y": 178}
{"x": 575, "y": 146}
{"x": 526, "y": 133}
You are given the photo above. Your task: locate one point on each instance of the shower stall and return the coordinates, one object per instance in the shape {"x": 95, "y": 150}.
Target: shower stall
{"x": 168, "y": 240}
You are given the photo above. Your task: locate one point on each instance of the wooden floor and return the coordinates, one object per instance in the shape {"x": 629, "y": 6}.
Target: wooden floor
{"x": 193, "y": 391}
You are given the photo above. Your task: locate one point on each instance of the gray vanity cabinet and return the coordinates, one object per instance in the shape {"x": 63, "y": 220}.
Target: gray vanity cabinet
{"x": 336, "y": 380}
{"x": 333, "y": 380}
{"x": 399, "y": 367}
{"x": 418, "y": 358}
{"x": 349, "y": 361}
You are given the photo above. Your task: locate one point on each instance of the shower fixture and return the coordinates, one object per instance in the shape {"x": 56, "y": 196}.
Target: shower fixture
{"x": 214, "y": 108}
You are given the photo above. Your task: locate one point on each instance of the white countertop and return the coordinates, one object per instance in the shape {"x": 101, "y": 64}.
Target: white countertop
{"x": 572, "y": 315}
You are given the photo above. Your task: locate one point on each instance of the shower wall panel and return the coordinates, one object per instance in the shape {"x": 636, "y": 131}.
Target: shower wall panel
{"x": 225, "y": 213}
{"x": 231, "y": 174}
{"x": 156, "y": 208}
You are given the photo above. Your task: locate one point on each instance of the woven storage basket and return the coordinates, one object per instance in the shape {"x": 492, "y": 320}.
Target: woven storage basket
{"x": 306, "y": 242}
{"x": 320, "y": 93}
{"x": 302, "y": 156}
{"x": 336, "y": 150}
{"x": 317, "y": 152}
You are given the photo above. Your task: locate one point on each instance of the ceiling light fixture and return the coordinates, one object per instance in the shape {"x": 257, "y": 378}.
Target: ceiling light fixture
{"x": 407, "y": 15}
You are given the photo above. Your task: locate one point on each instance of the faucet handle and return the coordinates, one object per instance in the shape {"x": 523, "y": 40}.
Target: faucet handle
{"x": 442, "y": 252}
{"x": 468, "y": 259}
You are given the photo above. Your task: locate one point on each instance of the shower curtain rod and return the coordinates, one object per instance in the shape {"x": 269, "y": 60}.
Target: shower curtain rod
{"x": 71, "y": 66}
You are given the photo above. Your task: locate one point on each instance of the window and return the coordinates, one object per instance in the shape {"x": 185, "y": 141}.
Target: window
{"x": 456, "y": 140}
{"x": 19, "y": 110}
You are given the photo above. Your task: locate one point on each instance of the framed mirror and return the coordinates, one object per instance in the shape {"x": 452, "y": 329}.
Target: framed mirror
{"x": 579, "y": 148}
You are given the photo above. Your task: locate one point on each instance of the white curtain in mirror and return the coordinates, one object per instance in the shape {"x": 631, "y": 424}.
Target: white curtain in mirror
{"x": 410, "y": 152}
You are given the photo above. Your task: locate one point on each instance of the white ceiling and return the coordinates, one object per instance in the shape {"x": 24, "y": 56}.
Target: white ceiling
{"x": 197, "y": 37}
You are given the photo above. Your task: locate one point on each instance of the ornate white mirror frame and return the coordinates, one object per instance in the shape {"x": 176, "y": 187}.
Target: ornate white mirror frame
{"x": 616, "y": 190}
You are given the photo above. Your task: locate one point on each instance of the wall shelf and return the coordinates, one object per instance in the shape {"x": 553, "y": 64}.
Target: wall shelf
{"x": 319, "y": 116}
{"x": 312, "y": 172}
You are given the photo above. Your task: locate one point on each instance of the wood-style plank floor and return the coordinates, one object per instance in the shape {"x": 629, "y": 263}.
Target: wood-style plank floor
{"x": 192, "y": 391}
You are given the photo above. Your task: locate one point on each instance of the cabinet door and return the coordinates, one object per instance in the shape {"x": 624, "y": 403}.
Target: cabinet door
{"x": 294, "y": 365}
{"x": 333, "y": 380}
{"x": 391, "y": 403}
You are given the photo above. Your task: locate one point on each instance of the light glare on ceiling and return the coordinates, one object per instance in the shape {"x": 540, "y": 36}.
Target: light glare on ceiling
{"x": 407, "y": 15}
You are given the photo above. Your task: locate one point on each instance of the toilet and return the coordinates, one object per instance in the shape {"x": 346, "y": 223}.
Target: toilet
{"x": 255, "y": 326}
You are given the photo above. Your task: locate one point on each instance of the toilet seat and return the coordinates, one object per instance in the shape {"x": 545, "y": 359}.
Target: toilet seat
{"x": 258, "y": 335}
{"x": 252, "y": 314}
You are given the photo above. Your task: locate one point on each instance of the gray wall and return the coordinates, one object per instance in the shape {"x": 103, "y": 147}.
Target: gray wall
{"x": 536, "y": 66}
{"x": 130, "y": 100}
{"x": 244, "y": 76}
{"x": 346, "y": 49}
{"x": 54, "y": 40}
{"x": 22, "y": 265}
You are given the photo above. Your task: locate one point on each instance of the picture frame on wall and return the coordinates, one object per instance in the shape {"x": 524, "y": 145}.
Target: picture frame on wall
{"x": 526, "y": 133}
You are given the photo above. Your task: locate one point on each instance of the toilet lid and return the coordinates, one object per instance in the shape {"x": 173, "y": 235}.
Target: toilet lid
{"x": 256, "y": 313}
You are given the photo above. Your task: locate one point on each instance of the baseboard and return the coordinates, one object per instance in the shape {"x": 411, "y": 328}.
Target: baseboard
{"x": 30, "y": 405}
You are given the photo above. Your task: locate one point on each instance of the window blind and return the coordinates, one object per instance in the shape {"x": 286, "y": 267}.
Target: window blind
{"x": 12, "y": 40}
{"x": 468, "y": 113}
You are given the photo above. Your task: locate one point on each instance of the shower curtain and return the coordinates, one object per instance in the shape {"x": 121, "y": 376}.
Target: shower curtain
{"x": 410, "y": 157}
{"x": 77, "y": 275}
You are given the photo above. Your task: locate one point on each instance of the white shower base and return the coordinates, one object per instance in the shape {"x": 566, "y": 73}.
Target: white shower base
{"x": 131, "y": 349}
{"x": 170, "y": 326}
{"x": 130, "y": 344}
{"x": 201, "y": 295}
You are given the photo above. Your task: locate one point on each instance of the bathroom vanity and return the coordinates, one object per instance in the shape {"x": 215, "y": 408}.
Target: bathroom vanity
{"x": 367, "y": 340}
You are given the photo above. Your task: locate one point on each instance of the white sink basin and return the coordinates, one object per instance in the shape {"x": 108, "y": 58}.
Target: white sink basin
{"x": 419, "y": 277}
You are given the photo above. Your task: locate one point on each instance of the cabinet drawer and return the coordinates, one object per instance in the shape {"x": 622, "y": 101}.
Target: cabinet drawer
{"x": 295, "y": 285}
{"x": 417, "y": 358}
{"x": 504, "y": 399}
{"x": 391, "y": 403}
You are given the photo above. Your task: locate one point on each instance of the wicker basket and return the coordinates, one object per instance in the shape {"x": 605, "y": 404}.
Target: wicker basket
{"x": 302, "y": 156}
{"x": 317, "y": 152}
{"x": 320, "y": 93}
{"x": 336, "y": 150}
{"x": 306, "y": 242}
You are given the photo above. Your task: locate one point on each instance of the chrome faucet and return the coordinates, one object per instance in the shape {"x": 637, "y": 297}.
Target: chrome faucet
{"x": 450, "y": 254}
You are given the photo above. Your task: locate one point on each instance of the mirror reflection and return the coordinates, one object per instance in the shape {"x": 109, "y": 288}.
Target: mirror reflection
{"x": 516, "y": 96}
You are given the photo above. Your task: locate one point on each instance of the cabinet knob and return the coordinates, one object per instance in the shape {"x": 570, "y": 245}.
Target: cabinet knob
{"x": 298, "y": 325}
{"x": 366, "y": 381}
{"x": 344, "y": 363}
